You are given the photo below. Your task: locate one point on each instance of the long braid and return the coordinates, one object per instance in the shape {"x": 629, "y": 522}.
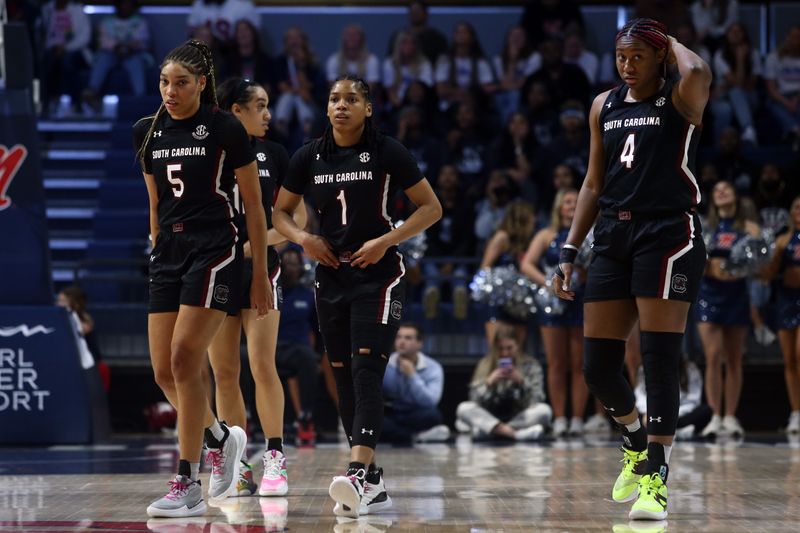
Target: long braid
{"x": 370, "y": 138}
{"x": 196, "y": 57}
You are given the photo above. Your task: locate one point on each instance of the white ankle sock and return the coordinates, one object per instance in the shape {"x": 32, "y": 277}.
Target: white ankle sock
{"x": 216, "y": 430}
{"x": 633, "y": 426}
{"x": 195, "y": 472}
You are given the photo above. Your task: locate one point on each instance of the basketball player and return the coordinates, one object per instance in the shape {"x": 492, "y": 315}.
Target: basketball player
{"x": 191, "y": 153}
{"x": 350, "y": 175}
{"x": 249, "y": 103}
{"x": 649, "y": 254}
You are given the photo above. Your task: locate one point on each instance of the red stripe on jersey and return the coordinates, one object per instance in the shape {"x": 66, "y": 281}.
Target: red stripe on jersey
{"x": 671, "y": 253}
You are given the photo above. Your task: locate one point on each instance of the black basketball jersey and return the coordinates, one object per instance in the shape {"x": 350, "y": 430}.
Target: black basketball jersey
{"x": 650, "y": 153}
{"x": 273, "y": 162}
{"x": 353, "y": 189}
{"x": 193, "y": 161}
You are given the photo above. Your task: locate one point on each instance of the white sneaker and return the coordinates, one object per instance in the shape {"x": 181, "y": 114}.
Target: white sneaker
{"x": 597, "y": 423}
{"x": 713, "y": 428}
{"x": 184, "y": 499}
{"x": 749, "y": 135}
{"x": 685, "y": 433}
{"x": 375, "y": 499}
{"x": 275, "y": 481}
{"x": 462, "y": 427}
{"x": 530, "y": 433}
{"x": 560, "y": 427}
{"x": 731, "y": 426}
{"x": 438, "y": 433}
{"x": 794, "y": 423}
{"x": 347, "y": 491}
{"x": 225, "y": 464}
{"x": 575, "y": 426}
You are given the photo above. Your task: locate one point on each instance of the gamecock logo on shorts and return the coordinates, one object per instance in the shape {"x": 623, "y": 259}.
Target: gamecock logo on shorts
{"x": 200, "y": 132}
{"x": 397, "y": 309}
{"x": 11, "y": 160}
{"x": 679, "y": 283}
{"x": 221, "y": 293}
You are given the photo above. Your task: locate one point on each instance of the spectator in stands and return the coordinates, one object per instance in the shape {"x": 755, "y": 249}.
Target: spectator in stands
{"x": 490, "y": 210}
{"x": 711, "y": 18}
{"x": 26, "y": 12}
{"x": 513, "y": 153}
{"x": 295, "y": 355}
{"x": 464, "y": 69}
{"x": 221, "y": 16}
{"x": 737, "y": 68}
{"x": 562, "y": 333}
{"x": 732, "y": 165}
{"x": 571, "y": 147}
{"x": 516, "y": 62}
{"x": 247, "y": 58}
{"x": 543, "y": 119}
{"x": 424, "y": 98}
{"x": 563, "y": 80}
{"x": 354, "y": 58}
{"x": 204, "y": 34}
{"x": 406, "y": 64}
{"x": 575, "y": 53}
{"x": 67, "y": 32}
{"x": 300, "y": 82}
{"x": 772, "y": 199}
{"x": 124, "y": 39}
{"x": 412, "y": 389}
{"x": 73, "y": 298}
{"x": 723, "y": 310}
{"x": 467, "y": 146}
{"x": 420, "y": 141}
{"x": 506, "y": 394}
{"x": 547, "y": 19}
{"x": 451, "y": 236}
{"x": 686, "y": 34}
{"x": 432, "y": 42}
{"x": 693, "y": 414}
{"x": 783, "y": 85}
{"x": 507, "y": 247}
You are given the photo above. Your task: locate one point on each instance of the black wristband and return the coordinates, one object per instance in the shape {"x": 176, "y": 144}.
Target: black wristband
{"x": 568, "y": 255}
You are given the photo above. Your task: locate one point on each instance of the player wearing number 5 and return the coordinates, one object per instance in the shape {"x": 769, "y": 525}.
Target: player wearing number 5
{"x": 649, "y": 254}
{"x": 191, "y": 154}
{"x": 350, "y": 176}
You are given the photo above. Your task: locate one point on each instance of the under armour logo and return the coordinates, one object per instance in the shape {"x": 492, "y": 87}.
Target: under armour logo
{"x": 157, "y": 133}
{"x": 317, "y": 157}
{"x": 655, "y": 419}
{"x": 152, "y": 258}
{"x": 316, "y": 284}
{"x": 370, "y": 431}
{"x": 608, "y": 105}
{"x": 610, "y": 409}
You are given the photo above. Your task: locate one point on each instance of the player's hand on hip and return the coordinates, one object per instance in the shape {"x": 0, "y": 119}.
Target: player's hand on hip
{"x": 370, "y": 253}
{"x": 320, "y": 250}
{"x": 562, "y": 280}
{"x": 260, "y": 297}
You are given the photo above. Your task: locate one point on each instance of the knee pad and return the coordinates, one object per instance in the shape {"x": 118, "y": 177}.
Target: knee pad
{"x": 661, "y": 356}
{"x": 368, "y": 370}
{"x": 603, "y": 363}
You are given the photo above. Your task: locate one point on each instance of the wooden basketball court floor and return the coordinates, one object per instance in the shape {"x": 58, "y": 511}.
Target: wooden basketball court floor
{"x": 730, "y": 486}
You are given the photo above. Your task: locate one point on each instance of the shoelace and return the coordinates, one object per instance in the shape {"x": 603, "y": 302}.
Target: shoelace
{"x": 631, "y": 461}
{"x": 177, "y": 490}
{"x": 217, "y": 461}
{"x": 272, "y": 466}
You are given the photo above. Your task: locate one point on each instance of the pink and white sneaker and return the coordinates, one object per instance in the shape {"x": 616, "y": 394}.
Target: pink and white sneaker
{"x": 275, "y": 481}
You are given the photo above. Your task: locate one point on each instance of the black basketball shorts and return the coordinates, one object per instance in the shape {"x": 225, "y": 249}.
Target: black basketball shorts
{"x": 201, "y": 268}
{"x": 652, "y": 258}
{"x": 360, "y": 307}
{"x": 274, "y": 284}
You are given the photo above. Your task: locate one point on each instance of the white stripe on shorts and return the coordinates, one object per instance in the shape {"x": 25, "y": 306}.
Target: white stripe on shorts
{"x": 387, "y": 303}
{"x": 674, "y": 257}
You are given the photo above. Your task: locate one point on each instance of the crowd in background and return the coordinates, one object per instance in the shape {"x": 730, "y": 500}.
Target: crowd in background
{"x": 498, "y": 133}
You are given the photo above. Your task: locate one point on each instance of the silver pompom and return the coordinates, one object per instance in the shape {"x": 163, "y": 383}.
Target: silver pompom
{"x": 505, "y": 287}
{"x": 584, "y": 256}
{"x": 749, "y": 254}
{"x": 413, "y": 249}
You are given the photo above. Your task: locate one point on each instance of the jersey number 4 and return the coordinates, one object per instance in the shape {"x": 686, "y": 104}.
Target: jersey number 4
{"x": 174, "y": 175}
{"x": 626, "y": 157}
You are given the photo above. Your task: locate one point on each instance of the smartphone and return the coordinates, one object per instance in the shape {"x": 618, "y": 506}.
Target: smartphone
{"x": 505, "y": 364}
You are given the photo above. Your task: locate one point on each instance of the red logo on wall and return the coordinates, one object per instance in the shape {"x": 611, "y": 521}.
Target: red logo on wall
{"x": 11, "y": 160}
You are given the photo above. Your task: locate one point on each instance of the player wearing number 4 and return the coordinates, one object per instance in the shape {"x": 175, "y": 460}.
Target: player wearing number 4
{"x": 191, "y": 154}
{"x": 349, "y": 176}
{"x": 649, "y": 254}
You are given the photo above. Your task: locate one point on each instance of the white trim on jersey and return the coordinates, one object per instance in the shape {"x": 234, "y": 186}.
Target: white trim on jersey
{"x": 273, "y": 281}
{"x": 385, "y": 200}
{"x": 218, "y": 183}
{"x": 387, "y": 304}
{"x": 212, "y": 278}
{"x": 685, "y": 163}
{"x": 674, "y": 257}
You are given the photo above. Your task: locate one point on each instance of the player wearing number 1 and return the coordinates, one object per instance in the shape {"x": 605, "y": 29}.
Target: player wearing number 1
{"x": 350, "y": 176}
{"x": 649, "y": 254}
{"x": 191, "y": 153}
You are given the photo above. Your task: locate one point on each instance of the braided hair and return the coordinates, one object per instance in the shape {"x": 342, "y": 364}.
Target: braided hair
{"x": 371, "y": 138}
{"x": 650, "y": 32}
{"x": 195, "y": 56}
{"x": 235, "y": 91}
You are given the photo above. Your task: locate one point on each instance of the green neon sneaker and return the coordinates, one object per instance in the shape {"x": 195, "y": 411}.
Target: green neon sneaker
{"x": 627, "y": 484}
{"x": 652, "y": 501}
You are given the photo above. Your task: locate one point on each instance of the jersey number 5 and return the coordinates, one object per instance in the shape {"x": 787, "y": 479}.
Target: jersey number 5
{"x": 340, "y": 197}
{"x": 174, "y": 175}
{"x": 626, "y": 158}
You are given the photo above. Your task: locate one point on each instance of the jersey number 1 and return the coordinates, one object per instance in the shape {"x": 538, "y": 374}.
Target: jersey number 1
{"x": 340, "y": 197}
{"x": 174, "y": 176}
{"x": 626, "y": 158}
